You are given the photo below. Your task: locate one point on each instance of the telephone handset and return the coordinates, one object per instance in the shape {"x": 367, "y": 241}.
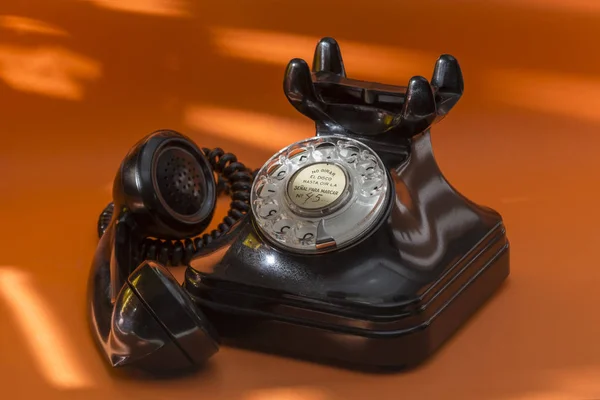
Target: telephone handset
{"x": 348, "y": 248}
{"x": 164, "y": 197}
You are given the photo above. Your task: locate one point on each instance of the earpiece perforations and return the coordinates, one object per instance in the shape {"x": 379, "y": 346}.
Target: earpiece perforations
{"x": 180, "y": 181}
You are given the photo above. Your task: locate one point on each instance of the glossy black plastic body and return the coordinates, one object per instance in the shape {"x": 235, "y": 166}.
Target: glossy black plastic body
{"x": 387, "y": 302}
{"x": 395, "y": 296}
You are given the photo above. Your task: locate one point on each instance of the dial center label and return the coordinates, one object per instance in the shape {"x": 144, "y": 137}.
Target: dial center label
{"x": 317, "y": 186}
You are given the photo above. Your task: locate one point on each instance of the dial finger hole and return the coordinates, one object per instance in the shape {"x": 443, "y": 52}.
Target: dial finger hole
{"x": 259, "y": 189}
{"x": 268, "y": 211}
{"x": 267, "y": 190}
{"x": 306, "y": 234}
{"x": 325, "y": 151}
{"x": 366, "y": 167}
{"x": 372, "y": 186}
{"x": 325, "y": 146}
{"x": 279, "y": 175}
{"x": 282, "y": 226}
{"x": 375, "y": 191}
{"x": 277, "y": 171}
{"x": 349, "y": 153}
{"x": 298, "y": 156}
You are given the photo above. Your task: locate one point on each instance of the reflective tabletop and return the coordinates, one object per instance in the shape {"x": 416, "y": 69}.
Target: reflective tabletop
{"x": 82, "y": 81}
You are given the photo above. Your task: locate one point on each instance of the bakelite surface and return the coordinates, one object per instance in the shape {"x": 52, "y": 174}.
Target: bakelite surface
{"x": 82, "y": 81}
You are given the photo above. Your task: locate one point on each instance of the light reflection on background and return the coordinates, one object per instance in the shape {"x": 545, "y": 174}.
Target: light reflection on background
{"x": 576, "y": 384}
{"x": 24, "y": 25}
{"x": 51, "y": 71}
{"x": 291, "y": 393}
{"x": 393, "y": 64}
{"x": 553, "y": 93}
{"x": 164, "y": 8}
{"x": 43, "y": 332}
{"x": 564, "y": 5}
{"x": 260, "y": 130}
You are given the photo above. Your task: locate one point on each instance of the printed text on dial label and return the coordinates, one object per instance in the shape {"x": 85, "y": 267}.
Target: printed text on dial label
{"x": 317, "y": 186}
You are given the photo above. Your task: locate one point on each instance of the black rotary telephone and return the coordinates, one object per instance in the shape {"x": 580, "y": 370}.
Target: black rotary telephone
{"x": 349, "y": 247}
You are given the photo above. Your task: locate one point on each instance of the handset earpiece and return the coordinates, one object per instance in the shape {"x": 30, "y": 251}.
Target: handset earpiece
{"x": 168, "y": 183}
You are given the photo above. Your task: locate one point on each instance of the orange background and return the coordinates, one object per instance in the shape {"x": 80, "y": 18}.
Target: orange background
{"x": 82, "y": 80}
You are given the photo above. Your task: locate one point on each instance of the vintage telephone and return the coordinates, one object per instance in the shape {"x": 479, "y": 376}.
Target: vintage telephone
{"x": 348, "y": 248}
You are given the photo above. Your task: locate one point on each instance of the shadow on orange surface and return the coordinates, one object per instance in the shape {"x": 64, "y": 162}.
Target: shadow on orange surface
{"x": 82, "y": 81}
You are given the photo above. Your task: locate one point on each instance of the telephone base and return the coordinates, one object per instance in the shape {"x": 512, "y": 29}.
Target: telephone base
{"x": 263, "y": 325}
